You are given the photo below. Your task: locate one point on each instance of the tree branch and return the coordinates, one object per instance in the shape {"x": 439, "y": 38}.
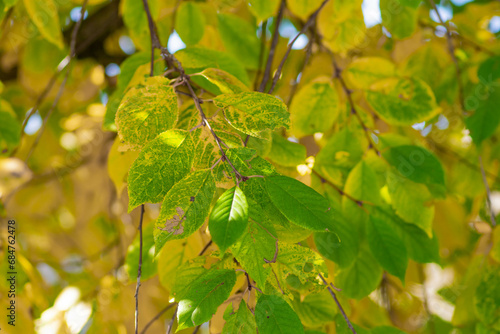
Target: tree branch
{"x": 139, "y": 272}
{"x": 158, "y": 315}
{"x": 263, "y": 38}
{"x": 205, "y": 248}
{"x": 488, "y": 192}
{"x": 334, "y": 296}
{"x": 272, "y": 50}
{"x": 306, "y": 26}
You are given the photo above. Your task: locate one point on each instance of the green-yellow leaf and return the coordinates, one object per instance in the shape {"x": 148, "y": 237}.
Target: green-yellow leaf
{"x": 146, "y": 111}
{"x": 363, "y": 72}
{"x": 185, "y": 207}
{"x": 240, "y": 39}
{"x": 273, "y": 315}
{"x": 229, "y": 218}
{"x": 226, "y": 82}
{"x": 263, "y": 9}
{"x": 316, "y": 309}
{"x": 162, "y": 162}
{"x": 149, "y": 266}
{"x": 402, "y": 101}
{"x": 44, "y": 15}
{"x": 286, "y": 153}
{"x": 315, "y": 108}
{"x": 253, "y": 112}
{"x": 190, "y": 22}
{"x": 10, "y": 129}
{"x": 240, "y": 322}
{"x": 400, "y": 19}
{"x": 303, "y": 8}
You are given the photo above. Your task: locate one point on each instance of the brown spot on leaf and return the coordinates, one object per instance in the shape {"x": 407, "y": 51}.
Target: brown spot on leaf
{"x": 174, "y": 225}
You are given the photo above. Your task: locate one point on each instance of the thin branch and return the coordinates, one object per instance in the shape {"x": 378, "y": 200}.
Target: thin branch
{"x": 171, "y": 323}
{"x": 205, "y": 248}
{"x": 196, "y": 329}
{"x": 488, "y": 193}
{"x": 358, "y": 202}
{"x": 306, "y": 26}
{"x": 263, "y": 38}
{"x": 295, "y": 84}
{"x": 338, "y": 304}
{"x": 354, "y": 111}
{"x": 451, "y": 51}
{"x": 139, "y": 272}
{"x": 156, "y": 317}
{"x": 69, "y": 58}
{"x": 272, "y": 50}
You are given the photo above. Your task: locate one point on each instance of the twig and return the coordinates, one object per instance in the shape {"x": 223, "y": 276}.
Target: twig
{"x": 139, "y": 272}
{"x": 272, "y": 50}
{"x": 205, "y": 248}
{"x": 295, "y": 84}
{"x": 348, "y": 93}
{"x": 358, "y": 202}
{"x": 488, "y": 192}
{"x": 69, "y": 58}
{"x": 171, "y": 323}
{"x": 338, "y": 304}
{"x": 196, "y": 329}
{"x": 263, "y": 38}
{"x": 451, "y": 51}
{"x": 306, "y": 26}
{"x": 165, "y": 309}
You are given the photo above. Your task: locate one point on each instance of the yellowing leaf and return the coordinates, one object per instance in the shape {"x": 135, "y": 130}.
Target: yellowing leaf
{"x": 44, "y": 15}
{"x": 402, "y": 101}
{"x": 303, "y": 8}
{"x": 342, "y": 25}
{"x": 399, "y": 19}
{"x": 119, "y": 162}
{"x": 146, "y": 111}
{"x": 363, "y": 72}
{"x": 315, "y": 108}
{"x": 226, "y": 82}
{"x": 263, "y": 9}
{"x": 253, "y": 112}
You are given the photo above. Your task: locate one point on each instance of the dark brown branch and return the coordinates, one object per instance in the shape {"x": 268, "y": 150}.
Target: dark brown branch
{"x": 171, "y": 323}
{"x": 272, "y": 50}
{"x": 69, "y": 58}
{"x": 156, "y": 317}
{"x": 358, "y": 202}
{"x": 263, "y": 38}
{"x": 139, "y": 272}
{"x": 306, "y": 26}
{"x": 334, "y": 296}
{"x": 354, "y": 111}
{"x": 205, "y": 248}
{"x": 488, "y": 193}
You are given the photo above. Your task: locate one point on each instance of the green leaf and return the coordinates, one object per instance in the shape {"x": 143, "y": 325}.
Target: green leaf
{"x": 487, "y": 298}
{"x": 489, "y": 70}
{"x": 316, "y": 309}
{"x": 186, "y": 274}
{"x": 190, "y": 22}
{"x": 195, "y": 60}
{"x": 400, "y": 19}
{"x": 240, "y": 322}
{"x": 44, "y": 15}
{"x": 205, "y": 295}
{"x": 162, "y": 162}
{"x": 299, "y": 267}
{"x": 362, "y": 277}
{"x": 340, "y": 247}
{"x": 146, "y": 111}
{"x": 402, "y": 101}
{"x": 229, "y": 218}
{"x": 387, "y": 247}
{"x": 225, "y": 82}
{"x": 136, "y": 21}
{"x": 253, "y": 112}
{"x": 256, "y": 244}
{"x": 386, "y": 330}
{"x": 341, "y": 327}
{"x": 420, "y": 247}
{"x": 360, "y": 184}
{"x": 239, "y": 39}
{"x": 10, "y": 129}
{"x": 299, "y": 203}
{"x": 273, "y": 315}
{"x": 263, "y": 9}
{"x": 363, "y": 72}
{"x": 286, "y": 153}
{"x": 483, "y": 123}
{"x": 418, "y": 165}
{"x": 315, "y": 108}
{"x": 303, "y": 8}
{"x": 149, "y": 266}
{"x": 410, "y": 200}
{"x": 185, "y": 207}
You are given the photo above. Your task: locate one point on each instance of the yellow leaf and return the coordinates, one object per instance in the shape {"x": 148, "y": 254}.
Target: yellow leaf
{"x": 44, "y": 15}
